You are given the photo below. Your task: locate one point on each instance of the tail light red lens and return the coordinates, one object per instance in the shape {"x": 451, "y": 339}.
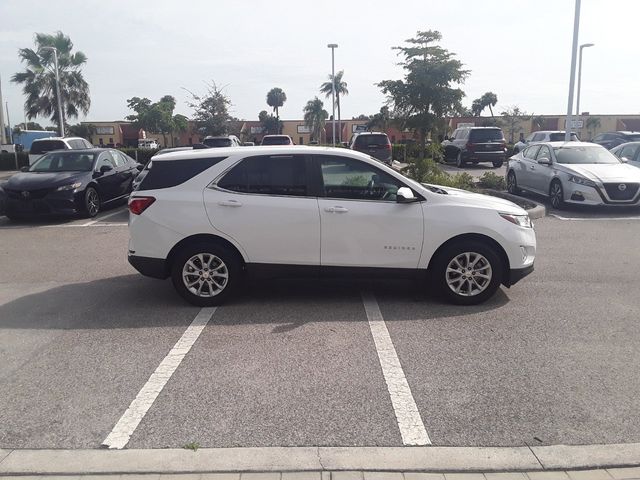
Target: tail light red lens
{"x": 137, "y": 205}
{"x": 388, "y": 146}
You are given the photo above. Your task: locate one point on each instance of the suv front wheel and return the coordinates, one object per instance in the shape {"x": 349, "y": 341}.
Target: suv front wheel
{"x": 206, "y": 275}
{"x": 467, "y": 273}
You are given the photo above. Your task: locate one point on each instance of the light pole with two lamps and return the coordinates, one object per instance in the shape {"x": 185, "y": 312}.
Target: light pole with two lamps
{"x": 55, "y": 62}
{"x": 584, "y": 45}
{"x": 333, "y": 46}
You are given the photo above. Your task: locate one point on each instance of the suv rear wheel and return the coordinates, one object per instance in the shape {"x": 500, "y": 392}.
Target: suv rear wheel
{"x": 206, "y": 274}
{"x": 467, "y": 273}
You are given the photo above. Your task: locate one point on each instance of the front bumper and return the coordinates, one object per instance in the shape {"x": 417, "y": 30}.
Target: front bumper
{"x": 53, "y": 203}
{"x": 149, "y": 267}
{"x": 517, "y": 274}
{"x": 595, "y": 196}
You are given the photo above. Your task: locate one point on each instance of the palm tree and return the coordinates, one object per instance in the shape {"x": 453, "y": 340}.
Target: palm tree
{"x": 275, "y": 99}
{"x": 315, "y": 117}
{"x": 340, "y": 88}
{"x": 39, "y": 79}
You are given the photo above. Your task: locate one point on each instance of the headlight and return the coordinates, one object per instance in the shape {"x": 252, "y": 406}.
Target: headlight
{"x": 71, "y": 186}
{"x": 520, "y": 220}
{"x": 581, "y": 181}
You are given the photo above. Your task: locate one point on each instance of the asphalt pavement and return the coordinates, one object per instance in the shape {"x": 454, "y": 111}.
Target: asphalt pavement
{"x": 553, "y": 360}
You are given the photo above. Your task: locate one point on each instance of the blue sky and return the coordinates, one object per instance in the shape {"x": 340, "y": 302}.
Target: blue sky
{"x": 519, "y": 49}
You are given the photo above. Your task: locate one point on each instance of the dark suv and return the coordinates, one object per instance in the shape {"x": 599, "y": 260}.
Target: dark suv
{"x": 613, "y": 139}
{"x": 475, "y": 145}
{"x": 375, "y": 144}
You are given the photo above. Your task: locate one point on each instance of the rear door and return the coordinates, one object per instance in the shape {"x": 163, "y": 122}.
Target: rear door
{"x": 362, "y": 224}
{"x": 266, "y": 205}
{"x": 487, "y": 140}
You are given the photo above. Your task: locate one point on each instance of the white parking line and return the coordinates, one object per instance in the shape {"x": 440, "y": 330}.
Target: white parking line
{"x": 410, "y": 423}
{"x": 121, "y": 433}
{"x": 593, "y": 219}
{"x": 93, "y": 222}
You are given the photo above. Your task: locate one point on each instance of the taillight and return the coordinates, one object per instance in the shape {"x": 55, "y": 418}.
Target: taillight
{"x": 388, "y": 146}
{"x": 137, "y": 205}
{"x": 471, "y": 146}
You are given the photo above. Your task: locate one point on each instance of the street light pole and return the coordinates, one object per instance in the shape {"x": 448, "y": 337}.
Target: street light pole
{"x": 55, "y": 62}
{"x": 333, "y": 46}
{"x": 572, "y": 78}
{"x": 584, "y": 45}
{"x": 3, "y": 138}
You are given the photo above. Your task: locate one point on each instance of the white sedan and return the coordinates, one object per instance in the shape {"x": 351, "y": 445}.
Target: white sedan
{"x": 576, "y": 173}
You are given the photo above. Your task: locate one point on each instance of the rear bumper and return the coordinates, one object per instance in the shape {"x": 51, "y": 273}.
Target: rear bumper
{"x": 484, "y": 156}
{"x": 517, "y": 274}
{"x": 149, "y": 267}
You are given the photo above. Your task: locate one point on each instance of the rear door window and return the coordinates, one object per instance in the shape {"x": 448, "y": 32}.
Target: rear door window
{"x": 44, "y": 146}
{"x": 268, "y": 175}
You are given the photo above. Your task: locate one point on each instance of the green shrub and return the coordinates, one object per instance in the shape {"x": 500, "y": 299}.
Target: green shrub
{"x": 493, "y": 181}
{"x": 398, "y": 152}
{"x": 426, "y": 170}
{"x": 8, "y": 161}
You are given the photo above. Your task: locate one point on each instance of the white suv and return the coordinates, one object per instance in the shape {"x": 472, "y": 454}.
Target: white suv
{"x": 206, "y": 218}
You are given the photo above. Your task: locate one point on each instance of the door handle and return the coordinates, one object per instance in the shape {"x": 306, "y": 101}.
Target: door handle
{"x": 230, "y": 203}
{"x": 532, "y": 167}
{"x": 336, "y": 209}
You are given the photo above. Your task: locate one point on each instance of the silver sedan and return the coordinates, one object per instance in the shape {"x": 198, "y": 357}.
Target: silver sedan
{"x": 574, "y": 172}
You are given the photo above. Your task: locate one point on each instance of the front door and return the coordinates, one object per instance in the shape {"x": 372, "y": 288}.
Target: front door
{"x": 108, "y": 182}
{"x": 541, "y": 181}
{"x": 362, "y": 224}
{"x": 527, "y": 166}
{"x": 264, "y": 204}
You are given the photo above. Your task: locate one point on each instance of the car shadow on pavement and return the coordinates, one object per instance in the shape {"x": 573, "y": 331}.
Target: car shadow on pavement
{"x": 133, "y": 301}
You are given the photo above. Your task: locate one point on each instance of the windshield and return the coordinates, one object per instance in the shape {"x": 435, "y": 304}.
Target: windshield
{"x": 64, "y": 161}
{"x": 584, "y": 155}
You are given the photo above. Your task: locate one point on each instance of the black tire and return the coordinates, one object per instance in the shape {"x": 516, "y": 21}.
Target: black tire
{"x": 498, "y": 164}
{"x": 556, "y": 194}
{"x": 460, "y": 163}
{"x": 512, "y": 183}
{"x": 225, "y": 261}
{"x": 484, "y": 256}
{"x": 91, "y": 202}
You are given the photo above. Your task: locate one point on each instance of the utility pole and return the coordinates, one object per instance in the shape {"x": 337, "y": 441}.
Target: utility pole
{"x": 333, "y": 47}
{"x": 3, "y": 138}
{"x": 572, "y": 78}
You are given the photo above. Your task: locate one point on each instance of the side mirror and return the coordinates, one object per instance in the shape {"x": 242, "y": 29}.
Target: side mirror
{"x": 139, "y": 166}
{"x": 624, "y": 159}
{"x": 105, "y": 168}
{"x": 24, "y": 169}
{"x": 405, "y": 195}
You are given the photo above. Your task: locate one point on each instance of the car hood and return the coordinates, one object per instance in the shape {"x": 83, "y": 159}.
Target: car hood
{"x": 464, "y": 197}
{"x": 615, "y": 172}
{"x": 39, "y": 180}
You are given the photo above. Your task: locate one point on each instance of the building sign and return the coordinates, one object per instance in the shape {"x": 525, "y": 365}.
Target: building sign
{"x": 256, "y": 130}
{"x": 304, "y": 129}
{"x": 358, "y": 128}
{"x": 104, "y": 130}
{"x": 575, "y": 124}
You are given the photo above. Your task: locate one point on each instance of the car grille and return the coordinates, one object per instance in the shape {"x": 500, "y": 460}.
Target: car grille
{"x": 615, "y": 193}
{"x": 33, "y": 194}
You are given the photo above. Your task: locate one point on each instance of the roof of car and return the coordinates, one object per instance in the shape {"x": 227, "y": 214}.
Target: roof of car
{"x": 57, "y": 138}
{"x": 479, "y": 128}
{"x": 627, "y": 132}
{"x": 370, "y": 133}
{"x": 257, "y": 150}
{"x": 569, "y": 144}
{"x": 279, "y": 135}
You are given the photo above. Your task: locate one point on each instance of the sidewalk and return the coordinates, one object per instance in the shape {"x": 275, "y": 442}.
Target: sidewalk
{"x": 585, "y": 462}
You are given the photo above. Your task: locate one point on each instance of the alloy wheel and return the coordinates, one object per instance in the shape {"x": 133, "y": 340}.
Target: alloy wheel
{"x": 468, "y": 274}
{"x": 205, "y": 275}
{"x": 556, "y": 195}
{"x": 93, "y": 202}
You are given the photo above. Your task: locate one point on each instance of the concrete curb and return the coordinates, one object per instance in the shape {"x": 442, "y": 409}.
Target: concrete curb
{"x": 538, "y": 211}
{"x": 288, "y": 459}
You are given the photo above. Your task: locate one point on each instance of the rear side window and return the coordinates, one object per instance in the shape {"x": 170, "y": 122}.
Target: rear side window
{"x": 486, "y": 135}
{"x": 559, "y": 137}
{"x": 371, "y": 140}
{"x": 44, "y": 146}
{"x": 169, "y": 173}
{"x": 268, "y": 175}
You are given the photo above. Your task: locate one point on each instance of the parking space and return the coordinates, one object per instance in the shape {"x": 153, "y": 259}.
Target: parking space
{"x": 291, "y": 363}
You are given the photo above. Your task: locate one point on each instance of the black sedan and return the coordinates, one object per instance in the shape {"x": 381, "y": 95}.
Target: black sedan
{"x": 68, "y": 182}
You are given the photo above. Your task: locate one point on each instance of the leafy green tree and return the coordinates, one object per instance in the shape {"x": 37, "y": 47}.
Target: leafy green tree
{"x": 381, "y": 120}
{"x": 30, "y": 126}
{"x": 270, "y": 123}
{"x": 275, "y": 99}
{"x": 84, "y": 130}
{"x": 211, "y": 111}
{"x": 341, "y": 90}
{"x": 592, "y": 124}
{"x": 428, "y": 91}
{"x": 157, "y": 117}
{"x": 512, "y": 119}
{"x": 38, "y": 80}
{"x": 315, "y": 117}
